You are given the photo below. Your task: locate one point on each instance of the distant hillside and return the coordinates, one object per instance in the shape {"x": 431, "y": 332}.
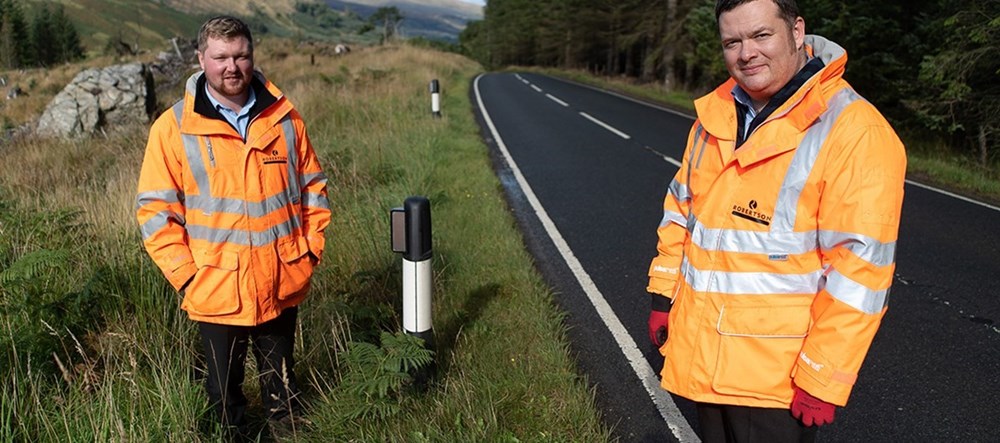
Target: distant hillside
{"x": 148, "y": 24}
{"x": 433, "y": 19}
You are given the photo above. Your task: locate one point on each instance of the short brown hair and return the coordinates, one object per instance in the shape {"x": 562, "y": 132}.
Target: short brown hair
{"x": 787, "y": 9}
{"x": 223, "y": 27}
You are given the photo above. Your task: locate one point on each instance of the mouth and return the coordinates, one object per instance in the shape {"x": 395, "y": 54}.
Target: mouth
{"x": 751, "y": 70}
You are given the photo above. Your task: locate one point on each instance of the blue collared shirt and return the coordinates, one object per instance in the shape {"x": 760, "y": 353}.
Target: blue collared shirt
{"x": 239, "y": 120}
{"x": 744, "y": 99}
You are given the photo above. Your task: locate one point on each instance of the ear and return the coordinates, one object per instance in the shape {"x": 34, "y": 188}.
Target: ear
{"x": 799, "y": 32}
{"x": 201, "y": 61}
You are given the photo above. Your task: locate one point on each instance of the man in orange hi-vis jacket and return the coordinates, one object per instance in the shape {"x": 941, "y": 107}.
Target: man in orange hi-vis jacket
{"x": 232, "y": 204}
{"x": 777, "y": 245}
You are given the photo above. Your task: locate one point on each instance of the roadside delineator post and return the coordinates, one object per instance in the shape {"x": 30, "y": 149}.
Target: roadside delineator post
{"x": 435, "y": 98}
{"x": 411, "y": 236}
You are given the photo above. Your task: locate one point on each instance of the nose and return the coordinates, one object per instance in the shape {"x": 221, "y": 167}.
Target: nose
{"x": 748, "y": 50}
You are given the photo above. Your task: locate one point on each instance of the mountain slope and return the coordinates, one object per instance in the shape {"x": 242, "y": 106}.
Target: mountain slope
{"x": 434, "y": 19}
{"x": 148, "y": 25}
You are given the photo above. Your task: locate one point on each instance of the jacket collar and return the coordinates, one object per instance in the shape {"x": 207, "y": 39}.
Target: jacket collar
{"x": 201, "y": 118}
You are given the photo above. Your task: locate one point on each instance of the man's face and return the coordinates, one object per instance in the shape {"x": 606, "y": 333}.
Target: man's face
{"x": 762, "y": 53}
{"x": 228, "y": 66}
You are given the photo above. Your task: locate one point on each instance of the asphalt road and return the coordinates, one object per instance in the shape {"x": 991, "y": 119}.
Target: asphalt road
{"x": 585, "y": 173}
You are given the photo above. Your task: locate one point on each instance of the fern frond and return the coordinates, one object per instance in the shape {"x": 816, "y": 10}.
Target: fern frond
{"x": 32, "y": 266}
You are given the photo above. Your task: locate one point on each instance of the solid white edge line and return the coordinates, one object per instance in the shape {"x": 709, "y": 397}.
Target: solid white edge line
{"x": 536, "y": 88}
{"x": 605, "y": 126}
{"x": 953, "y": 195}
{"x": 553, "y": 98}
{"x": 664, "y": 404}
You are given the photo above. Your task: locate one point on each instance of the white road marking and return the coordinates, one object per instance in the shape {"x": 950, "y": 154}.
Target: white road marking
{"x": 949, "y": 194}
{"x": 557, "y": 100}
{"x": 536, "y": 88}
{"x": 664, "y": 404}
{"x": 606, "y": 126}
{"x": 665, "y": 157}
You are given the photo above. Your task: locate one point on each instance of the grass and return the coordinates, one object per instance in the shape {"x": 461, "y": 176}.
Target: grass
{"x": 117, "y": 360}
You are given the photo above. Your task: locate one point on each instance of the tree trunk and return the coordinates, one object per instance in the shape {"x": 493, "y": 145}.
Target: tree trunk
{"x": 984, "y": 158}
{"x": 648, "y": 60}
{"x": 669, "y": 47}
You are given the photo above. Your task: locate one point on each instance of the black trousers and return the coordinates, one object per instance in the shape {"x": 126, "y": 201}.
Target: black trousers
{"x": 745, "y": 424}
{"x": 225, "y": 350}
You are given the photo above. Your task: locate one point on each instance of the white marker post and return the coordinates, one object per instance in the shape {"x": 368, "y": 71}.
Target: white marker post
{"x": 411, "y": 236}
{"x": 435, "y": 98}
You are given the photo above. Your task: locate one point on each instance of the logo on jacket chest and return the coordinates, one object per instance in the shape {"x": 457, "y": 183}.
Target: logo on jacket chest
{"x": 749, "y": 212}
{"x": 275, "y": 157}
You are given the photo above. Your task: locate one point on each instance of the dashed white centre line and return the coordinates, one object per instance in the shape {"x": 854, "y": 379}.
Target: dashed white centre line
{"x": 606, "y": 126}
{"x": 665, "y": 157}
{"x": 557, "y": 100}
{"x": 536, "y": 88}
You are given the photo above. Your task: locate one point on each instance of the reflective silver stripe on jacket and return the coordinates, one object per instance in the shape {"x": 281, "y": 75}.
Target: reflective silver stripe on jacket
{"x": 159, "y": 221}
{"x": 680, "y": 193}
{"x": 294, "y": 180}
{"x": 750, "y": 283}
{"x": 165, "y": 196}
{"x": 782, "y": 240}
{"x": 193, "y": 153}
{"x": 804, "y": 160}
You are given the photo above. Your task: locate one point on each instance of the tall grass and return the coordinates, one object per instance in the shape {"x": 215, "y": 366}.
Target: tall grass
{"x": 115, "y": 359}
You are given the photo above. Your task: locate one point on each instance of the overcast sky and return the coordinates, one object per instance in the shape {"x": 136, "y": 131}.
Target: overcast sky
{"x": 478, "y": 2}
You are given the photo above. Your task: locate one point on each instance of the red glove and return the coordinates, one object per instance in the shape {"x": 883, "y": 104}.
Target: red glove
{"x": 658, "y": 325}
{"x": 811, "y": 410}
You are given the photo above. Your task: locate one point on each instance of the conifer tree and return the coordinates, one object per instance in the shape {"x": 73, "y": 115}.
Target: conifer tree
{"x": 9, "y": 57}
{"x": 42, "y": 43}
{"x": 67, "y": 39}
{"x": 14, "y": 43}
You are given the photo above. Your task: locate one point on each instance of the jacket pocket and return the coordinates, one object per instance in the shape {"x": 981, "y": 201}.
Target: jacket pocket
{"x": 758, "y": 346}
{"x": 296, "y": 267}
{"x": 214, "y": 290}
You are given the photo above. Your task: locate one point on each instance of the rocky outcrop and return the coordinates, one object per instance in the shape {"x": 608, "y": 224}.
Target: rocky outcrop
{"x": 99, "y": 99}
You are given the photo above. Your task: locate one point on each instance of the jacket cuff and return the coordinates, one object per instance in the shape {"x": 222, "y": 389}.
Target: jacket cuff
{"x": 182, "y": 275}
{"x": 316, "y": 242}
{"x": 660, "y": 303}
{"x": 817, "y": 376}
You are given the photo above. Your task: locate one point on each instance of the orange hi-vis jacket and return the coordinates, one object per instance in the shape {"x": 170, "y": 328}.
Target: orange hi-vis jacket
{"x": 778, "y": 256}
{"x": 237, "y": 225}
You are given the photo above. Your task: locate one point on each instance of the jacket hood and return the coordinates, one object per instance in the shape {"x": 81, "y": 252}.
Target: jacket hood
{"x": 833, "y": 55}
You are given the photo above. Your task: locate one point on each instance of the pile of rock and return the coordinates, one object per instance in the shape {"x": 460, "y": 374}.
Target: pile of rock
{"x": 100, "y": 98}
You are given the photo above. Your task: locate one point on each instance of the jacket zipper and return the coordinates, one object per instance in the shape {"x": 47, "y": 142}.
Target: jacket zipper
{"x": 211, "y": 154}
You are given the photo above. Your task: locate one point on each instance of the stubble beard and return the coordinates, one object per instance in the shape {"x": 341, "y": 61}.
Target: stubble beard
{"x": 230, "y": 87}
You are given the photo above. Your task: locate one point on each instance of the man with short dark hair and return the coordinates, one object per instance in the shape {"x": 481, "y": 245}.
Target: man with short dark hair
{"x": 777, "y": 245}
{"x": 233, "y": 204}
